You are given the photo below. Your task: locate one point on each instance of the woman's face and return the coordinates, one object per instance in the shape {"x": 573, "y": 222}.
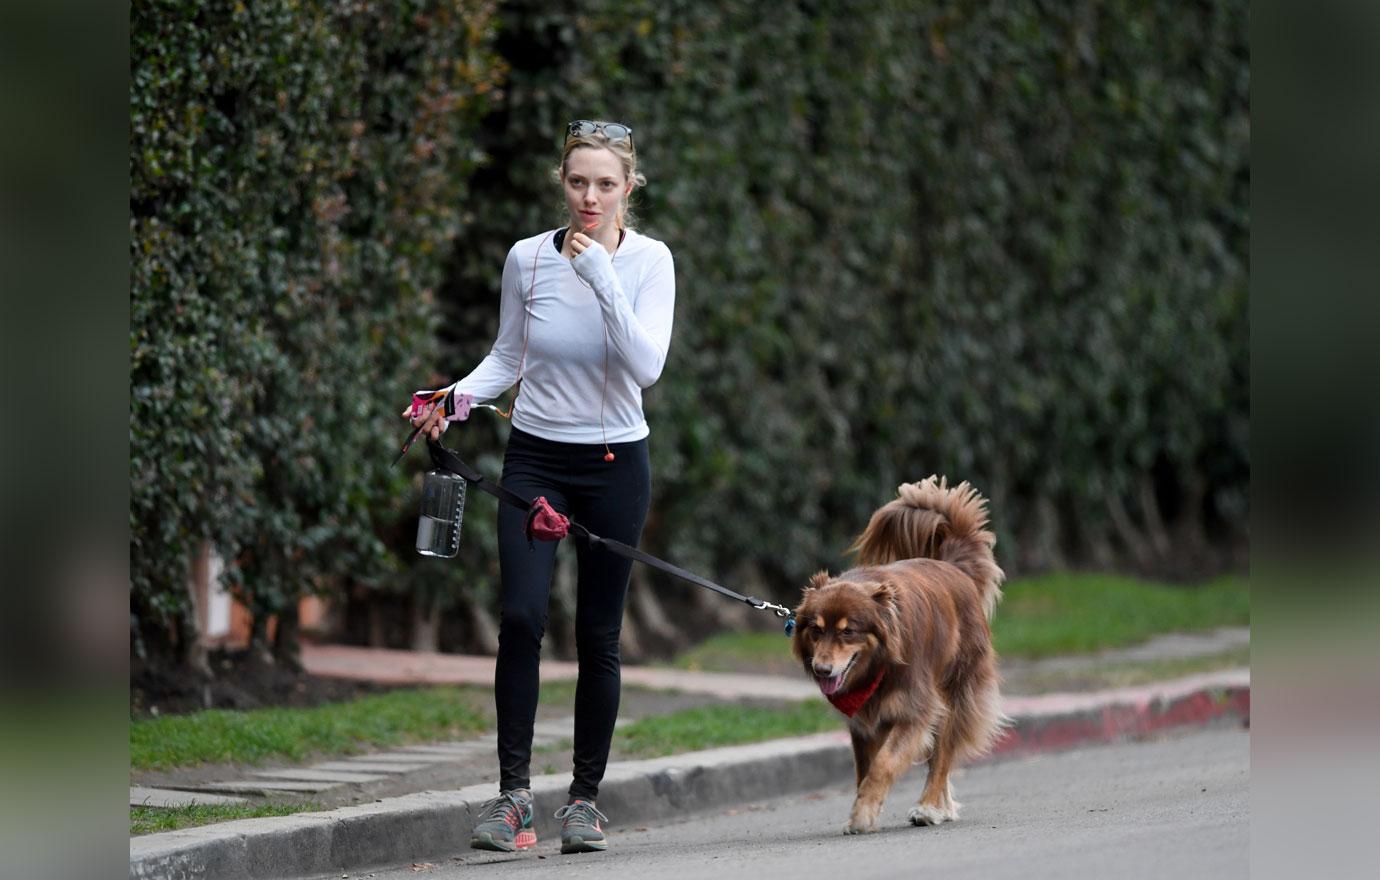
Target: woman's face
{"x": 594, "y": 186}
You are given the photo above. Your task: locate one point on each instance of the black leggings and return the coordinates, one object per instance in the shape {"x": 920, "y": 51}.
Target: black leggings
{"x": 610, "y": 499}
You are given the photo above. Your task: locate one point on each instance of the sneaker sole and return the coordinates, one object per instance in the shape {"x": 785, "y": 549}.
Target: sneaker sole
{"x": 579, "y": 845}
{"x": 486, "y": 840}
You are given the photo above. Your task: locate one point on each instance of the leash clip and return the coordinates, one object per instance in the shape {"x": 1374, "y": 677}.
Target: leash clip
{"x": 781, "y": 612}
{"x": 778, "y": 610}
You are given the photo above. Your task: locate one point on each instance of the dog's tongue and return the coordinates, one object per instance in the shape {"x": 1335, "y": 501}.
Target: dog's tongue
{"x": 828, "y": 686}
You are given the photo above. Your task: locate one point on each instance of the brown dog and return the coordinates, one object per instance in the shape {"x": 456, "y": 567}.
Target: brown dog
{"x": 901, "y": 645}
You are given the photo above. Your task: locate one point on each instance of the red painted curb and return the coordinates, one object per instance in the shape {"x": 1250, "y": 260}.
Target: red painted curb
{"x": 1033, "y": 733}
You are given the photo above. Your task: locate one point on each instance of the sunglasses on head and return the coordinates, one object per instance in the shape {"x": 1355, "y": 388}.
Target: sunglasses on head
{"x": 614, "y": 131}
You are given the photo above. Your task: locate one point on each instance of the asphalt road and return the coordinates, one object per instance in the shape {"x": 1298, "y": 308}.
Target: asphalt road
{"x": 1175, "y": 807}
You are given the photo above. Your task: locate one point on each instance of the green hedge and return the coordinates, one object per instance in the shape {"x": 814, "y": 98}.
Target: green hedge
{"x": 297, "y": 173}
{"x": 1006, "y": 242}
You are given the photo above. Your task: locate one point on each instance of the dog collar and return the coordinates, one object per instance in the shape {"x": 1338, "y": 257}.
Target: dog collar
{"x": 851, "y": 702}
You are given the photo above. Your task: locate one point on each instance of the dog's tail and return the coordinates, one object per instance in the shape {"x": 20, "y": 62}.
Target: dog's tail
{"x": 931, "y": 520}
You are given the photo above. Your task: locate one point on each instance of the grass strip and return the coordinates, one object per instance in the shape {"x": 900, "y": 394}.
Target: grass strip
{"x": 707, "y": 727}
{"x": 1067, "y": 613}
{"x": 150, "y": 820}
{"x": 289, "y": 734}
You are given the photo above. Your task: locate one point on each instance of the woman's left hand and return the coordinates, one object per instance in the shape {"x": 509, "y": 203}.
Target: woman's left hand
{"x": 591, "y": 262}
{"x": 579, "y": 243}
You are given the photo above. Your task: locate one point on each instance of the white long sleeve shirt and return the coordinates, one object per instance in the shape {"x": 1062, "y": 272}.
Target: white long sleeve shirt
{"x": 564, "y": 319}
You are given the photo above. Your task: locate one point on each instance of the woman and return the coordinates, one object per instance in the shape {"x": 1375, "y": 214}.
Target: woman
{"x": 584, "y": 326}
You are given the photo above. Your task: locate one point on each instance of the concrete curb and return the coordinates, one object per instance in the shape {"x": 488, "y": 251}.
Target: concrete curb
{"x": 433, "y": 824}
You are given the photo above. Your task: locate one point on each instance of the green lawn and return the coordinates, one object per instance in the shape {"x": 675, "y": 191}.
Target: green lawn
{"x": 767, "y": 653}
{"x": 260, "y": 735}
{"x": 1083, "y": 613}
{"x": 148, "y": 820}
{"x": 709, "y": 726}
{"x": 1063, "y": 613}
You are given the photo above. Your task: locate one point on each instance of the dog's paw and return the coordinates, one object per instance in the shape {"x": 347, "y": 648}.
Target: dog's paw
{"x": 863, "y": 820}
{"x": 927, "y": 814}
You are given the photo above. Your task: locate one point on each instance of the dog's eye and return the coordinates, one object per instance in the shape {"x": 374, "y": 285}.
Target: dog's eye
{"x": 846, "y": 633}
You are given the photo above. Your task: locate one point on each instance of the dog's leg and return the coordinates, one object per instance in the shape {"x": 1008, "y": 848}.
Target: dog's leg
{"x": 865, "y": 745}
{"x": 972, "y": 725}
{"x": 892, "y": 757}
{"x": 937, "y": 804}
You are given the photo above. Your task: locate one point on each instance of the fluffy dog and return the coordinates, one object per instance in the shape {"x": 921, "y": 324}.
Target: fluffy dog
{"x": 901, "y": 645}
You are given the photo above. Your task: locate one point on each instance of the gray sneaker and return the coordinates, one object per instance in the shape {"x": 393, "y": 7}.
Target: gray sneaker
{"x": 505, "y": 823}
{"x": 580, "y": 830}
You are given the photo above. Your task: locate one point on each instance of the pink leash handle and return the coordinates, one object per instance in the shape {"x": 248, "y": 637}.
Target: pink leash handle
{"x": 455, "y": 406}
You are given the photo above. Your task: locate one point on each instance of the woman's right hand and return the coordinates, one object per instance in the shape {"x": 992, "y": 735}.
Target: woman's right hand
{"x": 431, "y": 420}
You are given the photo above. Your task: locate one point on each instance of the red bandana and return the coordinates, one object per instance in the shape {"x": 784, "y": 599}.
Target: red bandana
{"x": 851, "y": 702}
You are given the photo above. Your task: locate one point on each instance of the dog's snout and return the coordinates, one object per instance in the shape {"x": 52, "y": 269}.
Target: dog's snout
{"x": 823, "y": 668}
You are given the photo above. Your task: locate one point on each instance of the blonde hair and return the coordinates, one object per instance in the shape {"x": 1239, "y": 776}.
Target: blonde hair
{"x": 627, "y": 156}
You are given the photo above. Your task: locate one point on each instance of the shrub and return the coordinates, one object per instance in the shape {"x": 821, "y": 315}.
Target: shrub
{"x": 297, "y": 173}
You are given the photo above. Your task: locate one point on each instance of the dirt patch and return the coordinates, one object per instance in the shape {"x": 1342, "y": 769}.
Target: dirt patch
{"x": 241, "y": 681}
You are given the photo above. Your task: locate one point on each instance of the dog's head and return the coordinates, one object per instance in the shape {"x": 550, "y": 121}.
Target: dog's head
{"x": 844, "y": 629}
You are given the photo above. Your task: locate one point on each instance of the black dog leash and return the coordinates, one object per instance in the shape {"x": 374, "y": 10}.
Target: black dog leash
{"x": 447, "y": 459}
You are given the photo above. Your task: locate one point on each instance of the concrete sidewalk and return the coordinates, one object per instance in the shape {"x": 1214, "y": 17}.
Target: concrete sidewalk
{"x": 409, "y": 667}
{"x": 433, "y": 824}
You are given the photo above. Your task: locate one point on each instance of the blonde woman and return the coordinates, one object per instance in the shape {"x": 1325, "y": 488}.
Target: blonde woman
{"x": 584, "y": 326}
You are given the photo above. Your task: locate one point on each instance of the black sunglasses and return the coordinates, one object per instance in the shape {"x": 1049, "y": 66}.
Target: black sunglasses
{"x": 614, "y": 131}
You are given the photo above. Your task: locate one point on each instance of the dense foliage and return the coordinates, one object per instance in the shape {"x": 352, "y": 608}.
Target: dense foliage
{"x": 297, "y": 173}
{"x": 1005, "y": 242}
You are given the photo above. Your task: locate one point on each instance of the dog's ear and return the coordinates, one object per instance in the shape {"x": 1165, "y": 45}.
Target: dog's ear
{"x": 884, "y": 594}
{"x": 817, "y": 580}
{"x": 889, "y": 613}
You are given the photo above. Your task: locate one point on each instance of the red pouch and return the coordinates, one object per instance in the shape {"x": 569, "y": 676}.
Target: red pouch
{"x": 544, "y": 523}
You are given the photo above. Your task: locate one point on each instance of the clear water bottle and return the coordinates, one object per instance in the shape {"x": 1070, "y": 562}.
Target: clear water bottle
{"x": 443, "y": 507}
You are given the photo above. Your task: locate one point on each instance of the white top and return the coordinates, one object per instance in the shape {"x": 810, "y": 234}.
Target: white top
{"x": 568, "y": 311}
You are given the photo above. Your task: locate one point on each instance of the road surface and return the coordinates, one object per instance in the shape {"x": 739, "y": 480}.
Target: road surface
{"x": 1176, "y": 807}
